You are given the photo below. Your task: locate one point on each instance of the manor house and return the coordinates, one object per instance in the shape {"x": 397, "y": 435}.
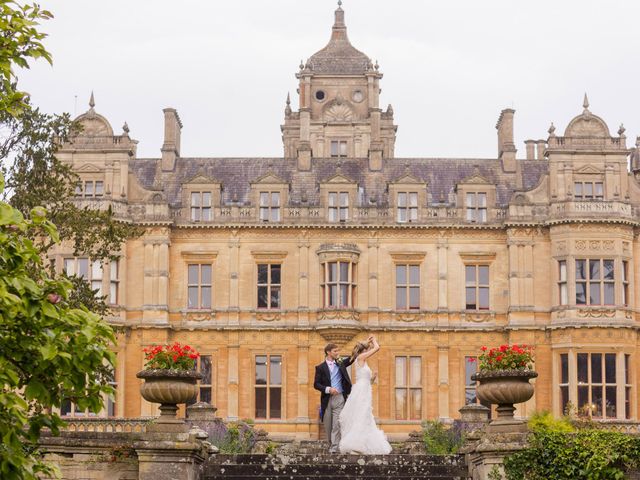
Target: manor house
{"x": 259, "y": 262}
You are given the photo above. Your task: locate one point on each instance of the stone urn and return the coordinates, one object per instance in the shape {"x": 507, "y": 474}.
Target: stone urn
{"x": 505, "y": 388}
{"x": 169, "y": 388}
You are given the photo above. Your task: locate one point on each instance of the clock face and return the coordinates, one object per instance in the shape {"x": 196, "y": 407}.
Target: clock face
{"x": 358, "y": 96}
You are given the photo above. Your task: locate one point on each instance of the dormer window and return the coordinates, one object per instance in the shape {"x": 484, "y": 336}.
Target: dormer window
{"x": 201, "y": 207}
{"x": 90, "y": 188}
{"x": 338, "y": 148}
{"x": 588, "y": 190}
{"x": 476, "y": 205}
{"x": 338, "y": 206}
{"x": 270, "y": 206}
{"x": 407, "y": 207}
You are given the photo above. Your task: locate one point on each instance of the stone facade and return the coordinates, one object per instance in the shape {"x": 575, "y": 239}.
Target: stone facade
{"x": 259, "y": 262}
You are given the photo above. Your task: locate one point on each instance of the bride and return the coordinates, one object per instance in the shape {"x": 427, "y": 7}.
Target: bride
{"x": 358, "y": 429}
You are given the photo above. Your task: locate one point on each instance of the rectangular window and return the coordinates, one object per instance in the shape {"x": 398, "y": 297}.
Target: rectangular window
{"x": 268, "y": 386}
{"x": 595, "y": 282}
{"x": 269, "y": 285}
{"x": 627, "y": 386}
{"x": 407, "y": 207}
{"x": 199, "y": 283}
{"x": 476, "y": 207}
{"x": 90, "y": 188}
{"x": 597, "y": 388}
{"x": 564, "y": 382}
{"x": 205, "y": 389}
{"x": 625, "y": 283}
{"x": 562, "y": 282}
{"x": 270, "y": 206}
{"x": 201, "y": 207}
{"x": 407, "y": 287}
{"x": 338, "y": 148}
{"x": 338, "y": 288}
{"x": 91, "y": 271}
{"x": 338, "y": 206}
{"x": 588, "y": 190}
{"x": 470, "y": 367}
{"x": 477, "y": 287}
{"x": 114, "y": 281}
{"x": 408, "y": 389}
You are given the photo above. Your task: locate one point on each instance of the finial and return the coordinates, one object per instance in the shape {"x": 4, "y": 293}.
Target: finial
{"x": 638, "y": 142}
{"x": 301, "y": 65}
{"x": 621, "y": 130}
{"x": 390, "y": 110}
{"x": 585, "y": 103}
{"x": 287, "y": 109}
{"x": 92, "y": 101}
{"x": 376, "y": 66}
{"x": 125, "y": 128}
{"x": 339, "y": 3}
{"x": 288, "y": 98}
{"x": 552, "y": 130}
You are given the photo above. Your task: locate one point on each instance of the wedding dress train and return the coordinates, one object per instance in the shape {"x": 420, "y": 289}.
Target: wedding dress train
{"x": 358, "y": 430}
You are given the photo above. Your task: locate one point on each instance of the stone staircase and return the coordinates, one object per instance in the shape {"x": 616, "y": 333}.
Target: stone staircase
{"x": 301, "y": 465}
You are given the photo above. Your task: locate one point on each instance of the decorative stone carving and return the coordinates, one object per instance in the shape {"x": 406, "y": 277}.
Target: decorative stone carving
{"x": 349, "y": 315}
{"x": 409, "y": 317}
{"x": 198, "y": 316}
{"x": 268, "y": 316}
{"x": 596, "y": 312}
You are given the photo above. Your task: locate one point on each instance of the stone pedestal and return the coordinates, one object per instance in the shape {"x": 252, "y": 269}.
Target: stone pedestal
{"x": 170, "y": 457}
{"x": 490, "y": 451}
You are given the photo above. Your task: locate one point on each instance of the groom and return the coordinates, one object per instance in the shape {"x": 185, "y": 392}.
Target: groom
{"x": 332, "y": 380}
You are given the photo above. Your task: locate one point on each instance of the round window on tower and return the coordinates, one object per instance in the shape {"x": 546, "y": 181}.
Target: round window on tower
{"x": 358, "y": 96}
{"x": 320, "y": 95}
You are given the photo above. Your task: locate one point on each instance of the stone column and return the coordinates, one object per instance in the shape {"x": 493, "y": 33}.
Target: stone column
{"x": 234, "y": 268}
{"x": 303, "y": 384}
{"x": 233, "y": 378}
{"x": 443, "y": 301}
{"x": 170, "y": 457}
{"x": 443, "y": 382}
{"x": 303, "y": 280}
{"x": 372, "y": 263}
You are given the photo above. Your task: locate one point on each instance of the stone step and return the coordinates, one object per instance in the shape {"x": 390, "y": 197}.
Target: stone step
{"x": 337, "y": 459}
{"x": 338, "y": 477}
{"x": 440, "y": 471}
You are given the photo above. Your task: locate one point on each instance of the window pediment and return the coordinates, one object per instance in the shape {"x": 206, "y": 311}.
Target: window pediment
{"x": 269, "y": 179}
{"x": 200, "y": 180}
{"x": 407, "y": 179}
{"x": 88, "y": 168}
{"x": 477, "y": 257}
{"x": 589, "y": 170}
{"x": 475, "y": 179}
{"x": 338, "y": 178}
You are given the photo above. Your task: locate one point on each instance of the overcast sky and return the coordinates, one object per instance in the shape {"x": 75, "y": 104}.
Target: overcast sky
{"x": 449, "y": 67}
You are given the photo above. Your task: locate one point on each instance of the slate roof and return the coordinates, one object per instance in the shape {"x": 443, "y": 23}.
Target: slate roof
{"x": 236, "y": 175}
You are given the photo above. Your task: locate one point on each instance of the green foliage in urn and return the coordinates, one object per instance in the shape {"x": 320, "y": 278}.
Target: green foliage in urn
{"x": 505, "y": 357}
{"x": 49, "y": 351}
{"x": 557, "y": 451}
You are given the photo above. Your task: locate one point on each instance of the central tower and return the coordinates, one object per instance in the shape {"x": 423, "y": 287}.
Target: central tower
{"x": 339, "y": 98}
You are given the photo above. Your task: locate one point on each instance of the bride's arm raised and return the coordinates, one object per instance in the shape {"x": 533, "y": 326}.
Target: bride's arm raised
{"x": 372, "y": 351}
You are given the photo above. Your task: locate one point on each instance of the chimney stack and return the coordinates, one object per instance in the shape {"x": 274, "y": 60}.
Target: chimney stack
{"x": 542, "y": 144}
{"x": 531, "y": 149}
{"x": 506, "y": 148}
{"x": 171, "y": 146}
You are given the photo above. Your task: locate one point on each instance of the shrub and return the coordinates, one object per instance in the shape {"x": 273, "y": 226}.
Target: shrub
{"x": 439, "y": 439}
{"x": 233, "y": 437}
{"x": 558, "y": 452}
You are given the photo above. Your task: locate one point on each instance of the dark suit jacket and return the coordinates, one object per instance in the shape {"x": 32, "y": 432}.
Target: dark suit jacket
{"x": 323, "y": 380}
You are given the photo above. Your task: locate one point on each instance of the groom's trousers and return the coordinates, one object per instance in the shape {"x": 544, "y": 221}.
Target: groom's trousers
{"x": 330, "y": 420}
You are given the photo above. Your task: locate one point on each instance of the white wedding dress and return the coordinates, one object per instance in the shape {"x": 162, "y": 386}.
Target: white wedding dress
{"x": 358, "y": 430}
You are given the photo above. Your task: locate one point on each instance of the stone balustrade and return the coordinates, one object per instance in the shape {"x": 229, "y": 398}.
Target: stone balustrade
{"x": 106, "y": 425}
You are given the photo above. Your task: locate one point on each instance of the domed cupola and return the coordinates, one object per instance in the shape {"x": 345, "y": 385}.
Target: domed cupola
{"x": 339, "y": 57}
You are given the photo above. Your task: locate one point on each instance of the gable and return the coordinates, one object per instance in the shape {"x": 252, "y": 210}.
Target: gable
{"x": 475, "y": 179}
{"x": 269, "y": 178}
{"x": 201, "y": 180}
{"x": 589, "y": 169}
{"x": 88, "y": 168}
{"x": 406, "y": 179}
{"x": 338, "y": 178}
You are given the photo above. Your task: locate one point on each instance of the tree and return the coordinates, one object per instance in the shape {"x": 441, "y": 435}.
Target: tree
{"x": 52, "y": 347}
{"x": 49, "y": 351}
